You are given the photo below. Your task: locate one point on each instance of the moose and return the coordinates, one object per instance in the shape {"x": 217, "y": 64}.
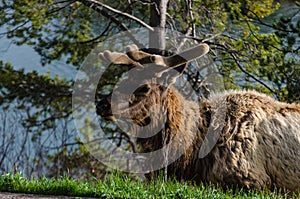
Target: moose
{"x": 258, "y": 141}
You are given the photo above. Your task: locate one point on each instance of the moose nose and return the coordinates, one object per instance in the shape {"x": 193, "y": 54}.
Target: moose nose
{"x": 103, "y": 107}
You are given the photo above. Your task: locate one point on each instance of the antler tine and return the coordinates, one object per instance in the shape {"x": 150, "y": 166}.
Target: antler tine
{"x": 135, "y": 57}
{"x": 117, "y": 58}
{"x": 143, "y": 57}
{"x": 187, "y": 55}
{"x": 171, "y": 61}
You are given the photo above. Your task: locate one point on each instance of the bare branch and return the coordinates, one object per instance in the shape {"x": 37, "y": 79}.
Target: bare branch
{"x": 145, "y": 2}
{"x": 190, "y": 12}
{"x": 11, "y": 31}
{"x": 60, "y": 8}
{"x": 250, "y": 75}
{"x": 261, "y": 40}
{"x": 184, "y": 39}
{"x": 122, "y": 26}
{"x": 98, "y": 37}
{"x": 129, "y": 16}
{"x": 265, "y": 24}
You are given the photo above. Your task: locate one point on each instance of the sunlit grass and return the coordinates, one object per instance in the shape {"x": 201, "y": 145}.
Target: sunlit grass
{"x": 120, "y": 186}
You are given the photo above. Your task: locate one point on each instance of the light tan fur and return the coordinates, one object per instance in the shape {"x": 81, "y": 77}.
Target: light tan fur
{"x": 258, "y": 145}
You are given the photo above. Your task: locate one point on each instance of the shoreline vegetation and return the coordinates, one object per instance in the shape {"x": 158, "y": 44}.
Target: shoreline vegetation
{"x": 122, "y": 186}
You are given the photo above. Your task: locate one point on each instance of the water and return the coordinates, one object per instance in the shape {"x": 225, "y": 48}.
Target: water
{"x": 25, "y": 57}
{"x": 15, "y": 141}
{"x": 285, "y": 9}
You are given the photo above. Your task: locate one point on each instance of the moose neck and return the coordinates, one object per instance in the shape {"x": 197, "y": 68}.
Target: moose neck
{"x": 183, "y": 132}
{"x": 181, "y": 122}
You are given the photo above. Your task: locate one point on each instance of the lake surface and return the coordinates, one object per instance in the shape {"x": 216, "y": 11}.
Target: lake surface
{"x": 25, "y": 57}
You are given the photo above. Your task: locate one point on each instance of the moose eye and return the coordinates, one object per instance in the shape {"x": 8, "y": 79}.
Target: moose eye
{"x": 142, "y": 90}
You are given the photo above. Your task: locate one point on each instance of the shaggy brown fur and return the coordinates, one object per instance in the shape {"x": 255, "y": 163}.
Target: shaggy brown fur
{"x": 258, "y": 144}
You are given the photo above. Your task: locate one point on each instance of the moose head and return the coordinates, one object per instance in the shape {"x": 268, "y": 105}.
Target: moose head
{"x": 148, "y": 84}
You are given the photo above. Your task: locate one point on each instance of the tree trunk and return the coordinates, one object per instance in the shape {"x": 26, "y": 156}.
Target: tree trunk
{"x": 157, "y": 40}
{"x": 158, "y": 14}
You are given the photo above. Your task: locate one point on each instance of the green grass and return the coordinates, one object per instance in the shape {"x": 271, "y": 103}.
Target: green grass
{"x": 118, "y": 186}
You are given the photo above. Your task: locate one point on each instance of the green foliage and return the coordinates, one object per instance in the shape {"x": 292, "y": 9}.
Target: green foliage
{"x": 33, "y": 87}
{"x": 246, "y": 57}
{"x": 72, "y": 29}
{"x": 54, "y": 29}
{"x": 250, "y": 59}
{"x": 50, "y": 96}
{"x": 57, "y": 29}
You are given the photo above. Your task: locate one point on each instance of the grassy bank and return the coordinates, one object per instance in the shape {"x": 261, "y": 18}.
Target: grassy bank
{"x": 117, "y": 186}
